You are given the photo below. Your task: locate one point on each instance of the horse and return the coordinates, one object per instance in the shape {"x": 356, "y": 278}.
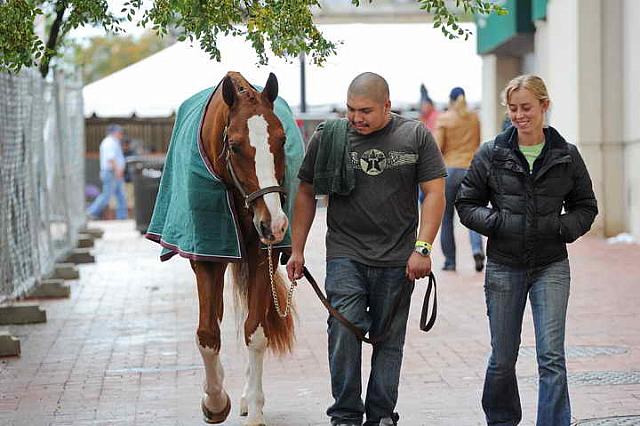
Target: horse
{"x": 242, "y": 142}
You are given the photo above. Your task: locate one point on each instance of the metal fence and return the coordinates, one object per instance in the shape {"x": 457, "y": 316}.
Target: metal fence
{"x": 41, "y": 176}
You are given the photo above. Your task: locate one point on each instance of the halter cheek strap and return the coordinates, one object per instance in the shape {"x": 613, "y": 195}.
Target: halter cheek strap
{"x": 248, "y": 198}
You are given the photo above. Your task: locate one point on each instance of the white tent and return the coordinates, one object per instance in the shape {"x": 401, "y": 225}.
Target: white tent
{"x": 405, "y": 54}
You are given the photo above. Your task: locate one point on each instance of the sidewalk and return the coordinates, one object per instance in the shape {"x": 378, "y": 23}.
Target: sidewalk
{"x": 121, "y": 350}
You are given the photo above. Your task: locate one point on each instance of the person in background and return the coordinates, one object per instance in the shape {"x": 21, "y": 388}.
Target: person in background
{"x": 128, "y": 150}
{"x": 457, "y": 133}
{"x": 428, "y": 116}
{"x": 541, "y": 199}
{"x": 112, "y": 165}
{"x": 428, "y": 112}
{"x": 377, "y": 244}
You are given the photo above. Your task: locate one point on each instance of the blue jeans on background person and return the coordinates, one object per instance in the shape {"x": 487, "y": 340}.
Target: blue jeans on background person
{"x": 351, "y": 288}
{"x": 447, "y": 242}
{"x": 506, "y": 290}
{"x": 110, "y": 186}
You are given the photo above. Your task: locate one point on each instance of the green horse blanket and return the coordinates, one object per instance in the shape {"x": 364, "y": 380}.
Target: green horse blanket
{"x": 194, "y": 214}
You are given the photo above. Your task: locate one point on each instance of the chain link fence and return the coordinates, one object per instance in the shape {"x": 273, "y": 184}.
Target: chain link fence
{"x": 41, "y": 176}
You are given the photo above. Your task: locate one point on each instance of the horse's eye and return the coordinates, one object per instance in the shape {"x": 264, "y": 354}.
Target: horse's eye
{"x": 284, "y": 141}
{"x": 235, "y": 148}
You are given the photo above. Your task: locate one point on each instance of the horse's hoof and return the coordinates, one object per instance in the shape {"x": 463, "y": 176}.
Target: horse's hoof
{"x": 215, "y": 418}
{"x": 244, "y": 407}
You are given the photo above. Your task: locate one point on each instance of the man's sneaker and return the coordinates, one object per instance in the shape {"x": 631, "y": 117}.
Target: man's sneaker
{"x": 478, "y": 258}
{"x": 390, "y": 421}
{"x": 449, "y": 268}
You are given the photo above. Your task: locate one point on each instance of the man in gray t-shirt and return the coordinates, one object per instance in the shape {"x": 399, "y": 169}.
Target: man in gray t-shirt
{"x": 373, "y": 253}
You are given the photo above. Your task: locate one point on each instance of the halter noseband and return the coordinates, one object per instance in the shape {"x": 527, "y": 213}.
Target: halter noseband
{"x": 248, "y": 198}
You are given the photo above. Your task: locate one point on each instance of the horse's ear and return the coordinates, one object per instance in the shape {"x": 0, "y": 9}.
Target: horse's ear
{"x": 271, "y": 88}
{"x": 228, "y": 91}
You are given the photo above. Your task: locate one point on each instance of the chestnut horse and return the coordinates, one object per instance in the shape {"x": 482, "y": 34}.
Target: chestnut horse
{"x": 244, "y": 140}
{"x": 242, "y": 143}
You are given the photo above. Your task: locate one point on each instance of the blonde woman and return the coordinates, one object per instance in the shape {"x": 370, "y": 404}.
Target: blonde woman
{"x": 457, "y": 133}
{"x": 541, "y": 199}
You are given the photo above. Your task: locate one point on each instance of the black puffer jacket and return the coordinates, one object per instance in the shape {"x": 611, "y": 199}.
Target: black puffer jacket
{"x": 525, "y": 222}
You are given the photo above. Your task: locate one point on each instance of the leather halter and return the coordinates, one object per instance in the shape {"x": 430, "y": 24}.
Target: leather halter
{"x": 251, "y": 197}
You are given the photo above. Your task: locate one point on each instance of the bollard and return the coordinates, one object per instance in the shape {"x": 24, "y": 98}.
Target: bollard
{"x": 65, "y": 271}
{"x": 85, "y": 241}
{"x": 80, "y": 255}
{"x": 22, "y": 314}
{"x": 9, "y": 345}
{"x": 50, "y": 288}
{"x": 94, "y": 232}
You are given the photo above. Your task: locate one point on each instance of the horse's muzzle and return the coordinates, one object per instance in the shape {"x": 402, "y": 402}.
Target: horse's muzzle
{"x": 273, "y": 232}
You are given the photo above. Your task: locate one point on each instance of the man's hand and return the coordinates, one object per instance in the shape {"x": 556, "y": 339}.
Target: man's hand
{"x": 418, "y": 266}
{"x": 295, "y": 266}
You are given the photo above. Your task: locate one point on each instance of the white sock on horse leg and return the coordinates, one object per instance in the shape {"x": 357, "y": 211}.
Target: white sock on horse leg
{"x": 253, "y": 396}
{"x": 214, "y": 397}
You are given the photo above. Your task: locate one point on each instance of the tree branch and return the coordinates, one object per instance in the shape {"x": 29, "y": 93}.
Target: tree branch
{"x": 52, "y": 42}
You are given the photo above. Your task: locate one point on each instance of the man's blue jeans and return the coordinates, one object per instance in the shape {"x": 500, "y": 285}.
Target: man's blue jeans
{"x": 506, "y": 290}
{"x": 110, "y": 186}
{"x": 447, "y": 241}
{"x": 365, "y": 295}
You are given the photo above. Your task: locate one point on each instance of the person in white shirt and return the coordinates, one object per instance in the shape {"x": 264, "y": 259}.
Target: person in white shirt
{"x": 112, "y": 165}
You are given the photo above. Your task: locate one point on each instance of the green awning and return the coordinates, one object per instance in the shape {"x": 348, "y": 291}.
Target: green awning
{"x": 539, "y": 9}
{"x": 496, "y": 30}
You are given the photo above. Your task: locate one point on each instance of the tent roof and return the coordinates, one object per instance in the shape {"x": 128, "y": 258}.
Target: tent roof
{"x": 405, "y": 54}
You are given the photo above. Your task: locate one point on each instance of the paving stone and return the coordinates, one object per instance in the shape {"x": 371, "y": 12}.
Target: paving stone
{"x": 612, "y": 421}
{"x": 579, "y": 351}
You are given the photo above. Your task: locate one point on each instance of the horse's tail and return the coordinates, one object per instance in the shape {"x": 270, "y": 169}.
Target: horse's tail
{"x": 279, "y": 331}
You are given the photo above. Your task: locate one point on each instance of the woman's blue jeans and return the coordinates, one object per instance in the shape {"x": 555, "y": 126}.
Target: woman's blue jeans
{"x": 447, "y": 240}
{"x": 506, "y": 290}
{"x": 110, "y": 186}
{"x": 365, "y": 295}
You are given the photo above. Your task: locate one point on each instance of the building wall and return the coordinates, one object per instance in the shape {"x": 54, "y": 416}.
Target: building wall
{"x": 631, "y": 110}
{"x": 588, "y": 53}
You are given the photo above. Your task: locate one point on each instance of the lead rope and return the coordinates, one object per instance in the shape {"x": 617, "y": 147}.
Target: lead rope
{"x": 276, "y": 301}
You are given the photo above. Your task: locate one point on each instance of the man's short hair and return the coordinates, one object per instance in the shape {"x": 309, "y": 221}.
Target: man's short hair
{"x": 370, "y": 85}
{"x": 114, "y": 128}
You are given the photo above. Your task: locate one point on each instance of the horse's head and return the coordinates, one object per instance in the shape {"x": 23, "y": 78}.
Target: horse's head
{"x": 254, "y": 149}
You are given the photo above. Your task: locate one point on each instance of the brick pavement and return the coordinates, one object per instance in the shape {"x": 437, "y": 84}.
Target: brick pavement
{"x": 121, "y": 350}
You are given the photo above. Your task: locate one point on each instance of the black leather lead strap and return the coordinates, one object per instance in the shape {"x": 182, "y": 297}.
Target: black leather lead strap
{"x": 425, "y": 325}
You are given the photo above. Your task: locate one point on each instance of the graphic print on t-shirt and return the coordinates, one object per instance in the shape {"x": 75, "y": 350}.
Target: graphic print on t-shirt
{"x": 373, "y": 161}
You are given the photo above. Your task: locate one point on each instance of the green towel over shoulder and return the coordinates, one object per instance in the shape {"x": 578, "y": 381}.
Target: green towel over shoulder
{"x": 333, "y": 172}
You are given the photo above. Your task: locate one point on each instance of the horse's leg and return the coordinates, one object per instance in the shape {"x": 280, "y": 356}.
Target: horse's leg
{"x": 252, "y": 401}
{"x": 210, "y": 278}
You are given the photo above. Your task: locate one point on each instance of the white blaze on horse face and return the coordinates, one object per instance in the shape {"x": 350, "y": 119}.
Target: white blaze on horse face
{"x": 266, "y": 173}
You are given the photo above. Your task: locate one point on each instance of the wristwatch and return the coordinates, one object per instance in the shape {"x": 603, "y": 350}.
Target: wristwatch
{"x": 423, "y": 248}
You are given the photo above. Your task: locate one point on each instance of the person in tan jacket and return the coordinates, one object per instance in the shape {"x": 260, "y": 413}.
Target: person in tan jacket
{"x": 457, "y": 133}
